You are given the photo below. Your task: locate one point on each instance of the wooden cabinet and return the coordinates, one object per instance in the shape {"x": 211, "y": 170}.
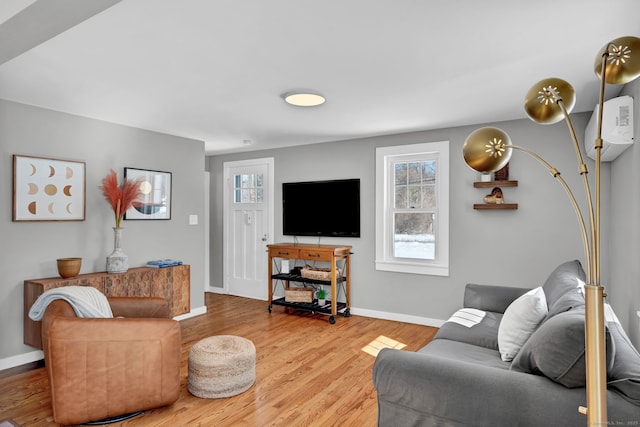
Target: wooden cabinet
{"x": 492, "y": 184}
{"x": 170, "y": 283}
{"x": 336, "y": 256}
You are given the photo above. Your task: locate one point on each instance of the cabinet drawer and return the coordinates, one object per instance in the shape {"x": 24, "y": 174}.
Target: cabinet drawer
{"x": 313, "y": 254}
{"x": 283, "y": 252}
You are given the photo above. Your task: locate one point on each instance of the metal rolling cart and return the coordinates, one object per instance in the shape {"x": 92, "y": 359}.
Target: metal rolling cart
{"x": 338, "y": 256}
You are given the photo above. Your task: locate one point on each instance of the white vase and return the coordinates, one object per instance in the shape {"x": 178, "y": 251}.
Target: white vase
{"x": 117, "y": 261}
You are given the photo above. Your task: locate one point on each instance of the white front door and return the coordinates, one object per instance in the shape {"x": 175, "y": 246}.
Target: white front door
{"x": 248, "y": 226}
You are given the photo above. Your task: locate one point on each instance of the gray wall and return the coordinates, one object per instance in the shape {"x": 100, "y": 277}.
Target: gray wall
{"x": 518, "y": 248}
{"x": 29, "y": 249}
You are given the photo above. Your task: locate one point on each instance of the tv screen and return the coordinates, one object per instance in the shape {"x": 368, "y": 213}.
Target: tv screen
{"x": 321, "y": 208}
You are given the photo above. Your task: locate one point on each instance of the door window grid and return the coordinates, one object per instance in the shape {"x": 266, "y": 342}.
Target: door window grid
{"x": 248, "y": 188}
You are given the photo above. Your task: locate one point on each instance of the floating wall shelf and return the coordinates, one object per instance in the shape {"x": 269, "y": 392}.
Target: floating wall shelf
{"x": 490, "y": 184}
{"x": 495, "y": 206}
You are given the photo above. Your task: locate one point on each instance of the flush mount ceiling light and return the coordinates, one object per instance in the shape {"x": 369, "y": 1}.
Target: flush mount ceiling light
{"x": 303, "y": 98}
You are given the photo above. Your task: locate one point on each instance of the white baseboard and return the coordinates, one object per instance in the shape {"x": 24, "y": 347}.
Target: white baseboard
{"x": 216, "y": 290}
{"x": 193, "y": 313}
{"x": 21, "y": 359}
{"x": 426, "y": 321}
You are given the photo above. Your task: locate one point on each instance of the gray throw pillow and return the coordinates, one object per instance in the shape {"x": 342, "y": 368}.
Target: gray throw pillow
{"x": 561, "y": 288}
{"x": 556, "y": 350}
{"x": 624, "y": 375}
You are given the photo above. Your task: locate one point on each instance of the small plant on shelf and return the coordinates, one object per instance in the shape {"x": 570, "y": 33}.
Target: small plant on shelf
{"x": 322, "y": 296}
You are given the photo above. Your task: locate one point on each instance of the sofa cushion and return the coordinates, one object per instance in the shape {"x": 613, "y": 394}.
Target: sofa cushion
{"x": 557, "y": 348}
{"x": 562, "y": 288}
{"x": 463, "y": 352}
{"x": 520, "y": 319}
{"x": 484, "y": 334}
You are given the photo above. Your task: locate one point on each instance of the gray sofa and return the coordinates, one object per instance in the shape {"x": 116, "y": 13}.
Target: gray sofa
{"x": 461, "y": 379}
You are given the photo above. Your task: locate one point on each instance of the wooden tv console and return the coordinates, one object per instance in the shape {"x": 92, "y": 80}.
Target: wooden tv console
{"x": 170, "y": 283}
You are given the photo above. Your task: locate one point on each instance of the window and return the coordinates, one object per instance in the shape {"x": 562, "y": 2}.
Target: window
{"x": 248, "y": 188}
{"x": 412, "y": 208}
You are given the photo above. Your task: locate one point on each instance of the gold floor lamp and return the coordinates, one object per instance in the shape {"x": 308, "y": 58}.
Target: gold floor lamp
{"x": 489, "y": 149}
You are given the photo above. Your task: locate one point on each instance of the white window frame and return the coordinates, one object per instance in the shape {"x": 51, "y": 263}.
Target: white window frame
{"x": 385, "y": 157}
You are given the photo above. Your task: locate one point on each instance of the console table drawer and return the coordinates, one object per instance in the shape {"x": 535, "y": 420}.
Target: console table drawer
{"x": 283, "y": 253}
{"x": 312, "y": 254}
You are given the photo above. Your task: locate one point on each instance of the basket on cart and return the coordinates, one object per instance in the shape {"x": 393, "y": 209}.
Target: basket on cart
{"x": 298, "y": 295}
{"x": 318, "y": 273}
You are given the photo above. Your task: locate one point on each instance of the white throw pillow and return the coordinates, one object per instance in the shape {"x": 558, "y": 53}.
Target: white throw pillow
{"x": 520, "y": 319}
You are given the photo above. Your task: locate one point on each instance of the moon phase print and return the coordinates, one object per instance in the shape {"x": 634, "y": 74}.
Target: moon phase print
{"x": 48, "y": 189}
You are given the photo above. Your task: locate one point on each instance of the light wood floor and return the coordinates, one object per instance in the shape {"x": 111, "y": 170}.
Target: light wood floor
{"x": 309, "y": 373}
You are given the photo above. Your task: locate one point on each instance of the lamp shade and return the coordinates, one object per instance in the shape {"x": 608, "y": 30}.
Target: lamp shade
{"x": 487, "y": 149}
{"x": 623, "y": 60}
{"x": 541, "y": 102}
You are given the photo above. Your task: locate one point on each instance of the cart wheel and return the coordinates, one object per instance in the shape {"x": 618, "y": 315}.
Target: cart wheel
{"x": 347, "y": 312}
{"x": 332, "y": 319}
{"x": 269, "y": 308}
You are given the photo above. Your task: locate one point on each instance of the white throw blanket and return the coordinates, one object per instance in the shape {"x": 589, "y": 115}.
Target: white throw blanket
{"x": 467, "y": 317}
{"x": 85, "y": 300}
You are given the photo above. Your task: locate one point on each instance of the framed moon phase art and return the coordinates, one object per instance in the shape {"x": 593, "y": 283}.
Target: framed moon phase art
{"x": 48, "y": 189}
{"x": 155, "y": 201}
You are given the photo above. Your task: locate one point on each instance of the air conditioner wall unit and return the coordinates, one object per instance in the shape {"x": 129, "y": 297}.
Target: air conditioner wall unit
{"x": 617, "y": 128}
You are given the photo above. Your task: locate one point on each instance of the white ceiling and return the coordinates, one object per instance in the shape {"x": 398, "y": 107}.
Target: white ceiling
{"x": 214, "y": 70}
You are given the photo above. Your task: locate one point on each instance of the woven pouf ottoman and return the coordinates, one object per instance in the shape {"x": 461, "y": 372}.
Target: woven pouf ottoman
{"x": 221, "y": 366}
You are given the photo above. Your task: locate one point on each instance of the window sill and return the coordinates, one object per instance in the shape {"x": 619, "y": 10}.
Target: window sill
{"x": 412, "y": 268}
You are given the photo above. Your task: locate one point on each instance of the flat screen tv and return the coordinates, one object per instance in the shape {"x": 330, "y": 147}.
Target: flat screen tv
{"x": 321, "y": 208}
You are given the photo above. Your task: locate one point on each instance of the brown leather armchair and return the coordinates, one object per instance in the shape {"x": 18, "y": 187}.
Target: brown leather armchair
{"x": 102, "y": 368}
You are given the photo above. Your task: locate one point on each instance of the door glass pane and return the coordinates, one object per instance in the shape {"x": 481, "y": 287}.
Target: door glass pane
{"x": 413, "y": 235}
{"x": 248, "y": 188}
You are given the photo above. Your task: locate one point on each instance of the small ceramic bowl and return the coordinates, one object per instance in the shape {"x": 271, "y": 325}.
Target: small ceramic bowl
{"x": 69, "y": 267}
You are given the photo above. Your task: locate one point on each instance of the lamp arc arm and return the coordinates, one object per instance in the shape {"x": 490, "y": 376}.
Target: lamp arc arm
{"x": 583, "y": 229}
{"x": 587, "y": 189}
